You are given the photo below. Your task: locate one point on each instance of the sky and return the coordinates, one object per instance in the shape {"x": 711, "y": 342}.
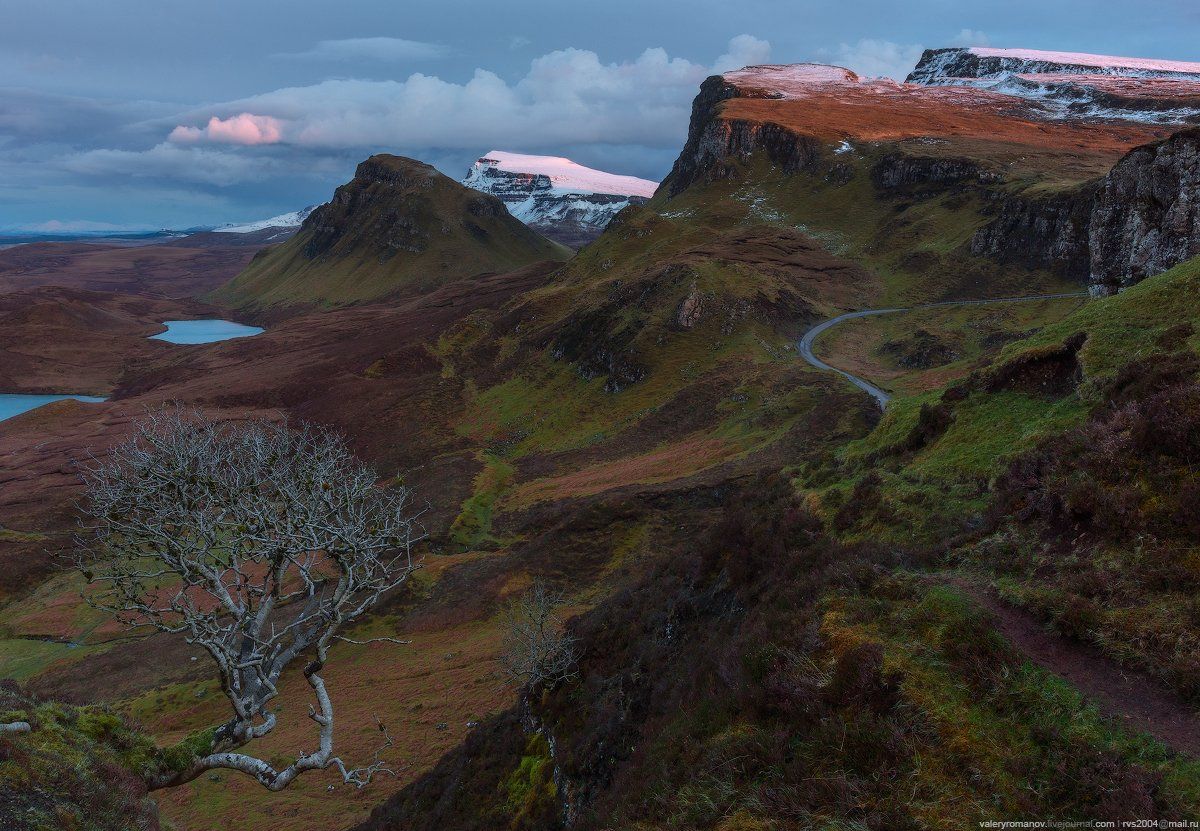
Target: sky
{"x": 146, "y": 114}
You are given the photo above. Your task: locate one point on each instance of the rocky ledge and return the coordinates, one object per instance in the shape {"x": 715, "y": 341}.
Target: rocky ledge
{"x": 1146, "y": 215}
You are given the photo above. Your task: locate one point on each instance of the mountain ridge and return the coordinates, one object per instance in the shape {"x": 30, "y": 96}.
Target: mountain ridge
{"x": 292, "y": 219}
{"x": 555, "y": 196}
{"x": 398, "y": 225}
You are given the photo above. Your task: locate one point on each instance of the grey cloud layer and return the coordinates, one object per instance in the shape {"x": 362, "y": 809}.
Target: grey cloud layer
{"x": 279, "y": 98}
{"x": 631, "y": 114}
{"x": 371, "y": 49}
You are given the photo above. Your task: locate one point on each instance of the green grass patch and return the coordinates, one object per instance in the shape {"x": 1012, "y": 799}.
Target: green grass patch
{"x": 530, "y": 790}
{"x": 1127, "y": 325}
{"x": 23, "y": 658}
{"x": 473, "y": 525}
{"x": 989, "y": 429}
{"x": 994, "y": 709}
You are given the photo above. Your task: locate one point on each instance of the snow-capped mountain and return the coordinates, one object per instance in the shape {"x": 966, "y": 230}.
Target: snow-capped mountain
{"x": 289, "y": 220}
{"x": 1072, "y": 84}
{"x": 985, "y": 62}
{"x": 559, "y": 198}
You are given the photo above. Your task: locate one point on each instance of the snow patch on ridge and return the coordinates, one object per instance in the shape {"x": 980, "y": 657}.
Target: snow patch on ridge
{"x": 798, "y": 80}
{"x": 289, "y": 220}
{"x": 1071, "y": 85}
{"x": 938, "y": 66}
{"x": 565, "y": 175}
{"x": 564, "y": 200}
{"x": 1080, "y": 96}
{"x": 1085, "y": 59}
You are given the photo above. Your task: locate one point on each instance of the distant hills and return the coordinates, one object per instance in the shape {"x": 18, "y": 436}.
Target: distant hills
{"x": 557, "y": 197}
{"x": 294, "y": 219}
{"x": 145, "y": 238}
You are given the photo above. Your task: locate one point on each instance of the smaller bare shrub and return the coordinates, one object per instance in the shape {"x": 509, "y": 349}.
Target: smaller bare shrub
{"x": 538, "y": 651}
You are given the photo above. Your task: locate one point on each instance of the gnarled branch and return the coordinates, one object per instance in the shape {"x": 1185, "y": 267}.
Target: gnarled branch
{"x": 259, "y": 544}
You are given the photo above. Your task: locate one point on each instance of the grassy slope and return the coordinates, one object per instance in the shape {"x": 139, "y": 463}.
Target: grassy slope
{"x": 761, "y": 675}
{"x": 977, "y": 732}
{"x": 282, "y": 276}
{"x": 915, "y": 243}
{"x": 1119, "y": 329}
{"x": 1106, "y": 556}
{"x": 566, "y": 465}
{"x": 621, "y": 295}
{"x": 1029, "y": 742}
{"x": 76, "y": 771}
{"x": 926, "y": 349}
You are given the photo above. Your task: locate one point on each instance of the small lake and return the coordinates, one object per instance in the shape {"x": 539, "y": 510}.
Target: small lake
{"x": 204, "y": 331}
{"x": 12, "y": 404}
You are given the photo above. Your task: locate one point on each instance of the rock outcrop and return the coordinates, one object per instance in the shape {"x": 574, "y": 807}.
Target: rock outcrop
{"x": 901, "y": 171}
{"x": 1141, "y": 219}
{"x": 714, "y": 142}
{"x": 1146, "y": 215}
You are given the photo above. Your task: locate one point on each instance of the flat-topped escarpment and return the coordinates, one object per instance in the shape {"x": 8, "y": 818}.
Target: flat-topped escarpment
{"x": 560, "y": 199}
{"x": 1072, "y": 85}
{"x": 987, "y": 62}
{"x": 1028, "y": 144}
{"x": 795, "y": 112}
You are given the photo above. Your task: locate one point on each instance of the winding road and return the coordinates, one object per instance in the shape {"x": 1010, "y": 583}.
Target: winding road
{"x": 806, "y": 342}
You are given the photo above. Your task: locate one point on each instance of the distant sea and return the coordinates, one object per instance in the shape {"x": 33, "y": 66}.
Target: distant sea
{"x": 13, "y": 240}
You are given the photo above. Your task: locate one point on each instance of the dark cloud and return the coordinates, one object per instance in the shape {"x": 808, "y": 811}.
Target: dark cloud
{"x": 32, "y": 116}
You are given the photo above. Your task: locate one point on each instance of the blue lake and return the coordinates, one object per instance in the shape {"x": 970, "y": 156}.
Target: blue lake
{"x": 204, "y": 331}
{"x": 12, "y": 404}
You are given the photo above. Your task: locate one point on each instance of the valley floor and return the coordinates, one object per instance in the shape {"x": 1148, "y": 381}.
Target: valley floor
{"x": 792, "y": 608}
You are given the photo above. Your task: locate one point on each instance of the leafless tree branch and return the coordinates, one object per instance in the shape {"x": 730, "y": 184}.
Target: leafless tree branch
{"x": 258, "y": 543}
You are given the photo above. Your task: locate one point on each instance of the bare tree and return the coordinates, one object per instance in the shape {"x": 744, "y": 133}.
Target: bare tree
{"x": 257, "y": 542}
{"x": 538, "y": 651}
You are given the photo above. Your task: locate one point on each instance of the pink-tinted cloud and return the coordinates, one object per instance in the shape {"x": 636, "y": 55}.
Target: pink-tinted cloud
{"x": 245, "y": 128}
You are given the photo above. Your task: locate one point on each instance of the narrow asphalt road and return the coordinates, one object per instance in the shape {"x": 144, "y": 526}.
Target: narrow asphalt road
{"x": 806, "y": 342}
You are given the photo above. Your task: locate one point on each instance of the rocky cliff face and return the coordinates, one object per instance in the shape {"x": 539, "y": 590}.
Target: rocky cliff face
{"x": 714, "y": 142}
{"x": 1146, "y": 214}
{"x": 1141, "y": 219}
{"x": 1050, "y": 233}
{"x": 562, "y": 200}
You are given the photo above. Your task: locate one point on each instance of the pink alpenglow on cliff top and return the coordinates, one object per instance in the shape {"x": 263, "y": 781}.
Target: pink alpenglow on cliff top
{"x": 1084, "y": 59}
{"x": 796, "y": 80}
{"x": 566, "y": 175}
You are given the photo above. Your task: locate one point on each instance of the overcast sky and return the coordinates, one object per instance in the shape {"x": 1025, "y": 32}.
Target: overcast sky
{"x": 166, "y": 113}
